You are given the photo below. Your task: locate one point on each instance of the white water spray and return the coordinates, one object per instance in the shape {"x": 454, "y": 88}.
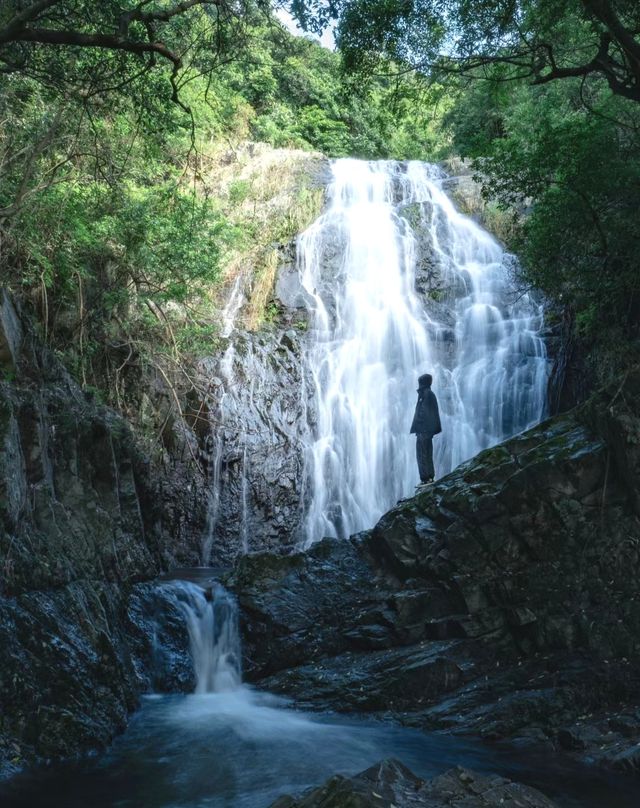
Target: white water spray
{"x": 211, "y": 616}
{"x": 386, "y": 224}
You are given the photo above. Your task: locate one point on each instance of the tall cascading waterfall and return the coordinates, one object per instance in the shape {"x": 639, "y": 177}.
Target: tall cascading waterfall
{"x": 211, "y": 616}
{"x": 389, "y": 233}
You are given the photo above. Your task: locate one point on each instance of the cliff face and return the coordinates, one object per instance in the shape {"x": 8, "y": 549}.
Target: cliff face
{"x": 85, "y": 516}
{"x": 501, "y": 601}
{"x": 258, "y": 432}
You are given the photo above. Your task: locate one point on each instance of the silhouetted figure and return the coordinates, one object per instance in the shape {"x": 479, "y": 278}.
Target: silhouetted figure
{"x": 425, "y": 424}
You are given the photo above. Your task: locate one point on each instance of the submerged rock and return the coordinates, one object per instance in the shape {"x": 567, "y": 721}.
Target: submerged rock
{"x": 389, "y": 784}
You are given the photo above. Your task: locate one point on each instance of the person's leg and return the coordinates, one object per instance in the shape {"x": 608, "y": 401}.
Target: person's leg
{"x": 424, "y": 451}
{"x": 419, "y": 455}
{"x": 431, "y": 472}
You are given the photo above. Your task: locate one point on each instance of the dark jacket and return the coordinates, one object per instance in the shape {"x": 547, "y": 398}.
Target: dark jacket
{"x": 426, "y": 419}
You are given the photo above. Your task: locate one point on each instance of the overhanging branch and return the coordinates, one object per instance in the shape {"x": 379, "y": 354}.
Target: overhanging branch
{"x": 47, "y": 36}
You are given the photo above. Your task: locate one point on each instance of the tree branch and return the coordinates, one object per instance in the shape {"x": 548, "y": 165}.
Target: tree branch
{"x": 603, "y": 11}
{"x": 7, "y": 34}
{"x": 46, "y": 36}
{"x": 139, "y": 15}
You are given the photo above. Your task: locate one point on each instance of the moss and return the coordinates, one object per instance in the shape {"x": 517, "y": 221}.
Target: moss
{"x": 494, "y": 456}
{"x": 413, "y": 214}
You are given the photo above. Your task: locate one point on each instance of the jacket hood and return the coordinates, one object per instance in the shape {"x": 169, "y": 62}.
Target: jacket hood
{"x": 424, "y": 381}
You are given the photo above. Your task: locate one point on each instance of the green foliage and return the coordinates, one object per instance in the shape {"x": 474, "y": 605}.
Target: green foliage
{"x": 567, "y": 158}
{"x": 173, "y": 241}
{"x": 300, "y": 97}
{"x": 271, "y": 312}
{"x": 162, "y": 242}
{"x": 96, "y": 49}
{"x": 545, "y": 101}
{"x": 539, "y": 40}
{"x": 239, "y": 190}
{"x": 197, "y": 339}
{"x": 104, "y": 229}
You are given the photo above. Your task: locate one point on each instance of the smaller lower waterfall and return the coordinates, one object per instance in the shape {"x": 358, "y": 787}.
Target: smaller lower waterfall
{"x": 211, "y": 616}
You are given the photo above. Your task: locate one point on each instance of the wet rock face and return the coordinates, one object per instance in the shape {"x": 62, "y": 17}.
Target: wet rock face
{"x": 11, "y": 335}
{"x": 75, "y": 660}
{"x": 258, "y": 408}
{"x": 84, "y": 517}
{"x": 503, "y": 600}
{"x": 389, "y": 784}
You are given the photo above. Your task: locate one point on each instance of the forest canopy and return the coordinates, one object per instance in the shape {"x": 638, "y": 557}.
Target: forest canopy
{"x": 539, "y": 40}
{"x": 108, "y": 224}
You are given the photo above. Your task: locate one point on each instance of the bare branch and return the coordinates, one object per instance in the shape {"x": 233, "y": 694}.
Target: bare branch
{"x": 46, "y": 36}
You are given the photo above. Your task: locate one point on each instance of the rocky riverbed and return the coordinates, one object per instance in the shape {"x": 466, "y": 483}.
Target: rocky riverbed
{"x": 389, "y": 784}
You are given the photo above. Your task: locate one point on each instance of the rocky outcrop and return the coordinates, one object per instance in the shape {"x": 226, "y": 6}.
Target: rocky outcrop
{"x": 257, "y": 407}
{"x": 501, "y": 601}
{"x": 85, "y": 517}
{"x": 389, "y": 784}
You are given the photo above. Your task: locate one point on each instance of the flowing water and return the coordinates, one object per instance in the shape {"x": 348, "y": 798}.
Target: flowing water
{"x": 211, "y": 617}
{"x": 310, "y": 436}
{"x": 389, "y": 228}
{"x": 229, "y": 746}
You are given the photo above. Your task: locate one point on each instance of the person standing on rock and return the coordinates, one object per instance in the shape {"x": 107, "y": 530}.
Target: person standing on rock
{"x": 426, "y": 424}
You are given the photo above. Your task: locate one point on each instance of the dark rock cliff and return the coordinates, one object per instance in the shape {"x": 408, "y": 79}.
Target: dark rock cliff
{"x": 501, "y": 601}
{"x": 85, "y": 517}
{"x": 258, "y": 411}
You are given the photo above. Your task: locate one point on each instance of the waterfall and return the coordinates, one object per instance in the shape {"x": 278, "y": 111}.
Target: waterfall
{"x": 232, "y": 307}
{"x": 211, "y": 616}
{"x": 213, "y": 462}
{"x": 401, "y": 284}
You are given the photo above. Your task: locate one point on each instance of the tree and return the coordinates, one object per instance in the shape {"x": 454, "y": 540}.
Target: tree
{"x": 543, "y": 96}
{"x": 96, "y": 47}
{"x": 539, "y": 40}
{"x": 560, "y": 169}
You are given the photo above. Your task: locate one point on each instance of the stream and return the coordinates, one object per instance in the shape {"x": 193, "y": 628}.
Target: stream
{"x": 243, "y": 749}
